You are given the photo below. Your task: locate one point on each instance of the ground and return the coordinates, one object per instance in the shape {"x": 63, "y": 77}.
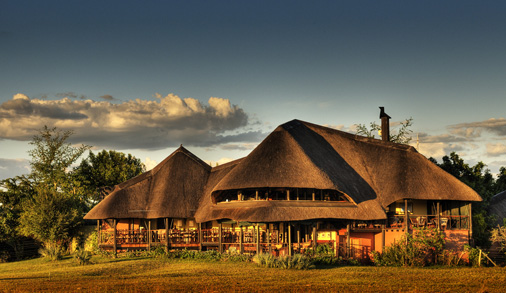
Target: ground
{"x": 155, "y": 275}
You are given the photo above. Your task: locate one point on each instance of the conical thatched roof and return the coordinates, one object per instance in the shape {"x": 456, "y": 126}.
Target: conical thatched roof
{"x": 497, "y": 207}
{"x": 372, "y": 173}
{"x": 171, "y": 189}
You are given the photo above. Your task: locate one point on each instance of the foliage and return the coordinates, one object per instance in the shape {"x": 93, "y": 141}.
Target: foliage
{"x": 403, "y": 134}
{"x": 52, "y": 155}
{"x": 265, "y": 260}
{"x": 106, "y": 169}
{"x": 482, "y": 181}
{"x": 54, "y": 207}
{"x": 82, "y": 256}
{"x": 51, "y": 217}
{"x": 499, "y": 237}
{"x": 473, "y": 255}
{"x": 417, "y": 249}
{"x": 91, "y": 242}
{"x": 323, "y": 254}
{"x": 52, "y": 251}
{"x": 297, "y": 261}
{"x": 13, "y": 192}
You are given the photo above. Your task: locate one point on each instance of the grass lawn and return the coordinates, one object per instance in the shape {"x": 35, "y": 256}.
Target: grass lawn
{"x": 145, "y": 274}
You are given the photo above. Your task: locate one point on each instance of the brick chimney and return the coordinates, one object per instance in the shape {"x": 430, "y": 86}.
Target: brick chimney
{"x": 385, "y": 125}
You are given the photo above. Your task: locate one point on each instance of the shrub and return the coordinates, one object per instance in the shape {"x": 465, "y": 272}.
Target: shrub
{"x": 418, "y": 249}
{"x": 499, "y": 237}
{"x": 265, "y": 260}
{"x": 91, "y": 242}
{"x": 157, "y": 252}
{"x": 82, "y": 256}
{"x": 297, "y": 261}
{"x": 52, "y": 251}
{"x": 4, "y": 256}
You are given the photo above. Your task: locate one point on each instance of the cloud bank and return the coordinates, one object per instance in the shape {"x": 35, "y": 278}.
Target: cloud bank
{"x": 13, "y": 167}
{"x": 136, "y": 124}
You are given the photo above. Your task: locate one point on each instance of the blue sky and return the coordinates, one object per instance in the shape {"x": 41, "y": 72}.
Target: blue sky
{"x": 145, "y": 76}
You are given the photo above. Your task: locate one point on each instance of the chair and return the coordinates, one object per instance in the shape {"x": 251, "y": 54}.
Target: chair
{"x": 444, "y": 223}
{"x": 420, "y": 221}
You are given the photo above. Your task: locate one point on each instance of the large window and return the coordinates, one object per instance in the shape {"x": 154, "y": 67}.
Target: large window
{"x": 281, "y": 194}
{"x": 398, "y": 207}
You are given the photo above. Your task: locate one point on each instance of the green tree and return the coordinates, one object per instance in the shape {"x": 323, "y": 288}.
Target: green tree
{"x": 13, "y": 192}
{"x": 53, "y": 211}
{"x": 482, "y": 181}
{"x": 106, "y": 169}
{"x": 403, "y": 134}
{"x": 500, "y": 183}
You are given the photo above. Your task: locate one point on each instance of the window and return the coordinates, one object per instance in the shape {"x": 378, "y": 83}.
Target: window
{"x": 399, "y": 206}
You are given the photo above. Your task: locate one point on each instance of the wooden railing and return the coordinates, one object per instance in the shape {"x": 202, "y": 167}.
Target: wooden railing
{"x": 430, "y": 221}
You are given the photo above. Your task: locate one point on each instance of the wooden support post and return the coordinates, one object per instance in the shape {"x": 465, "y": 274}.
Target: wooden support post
{"x": 438, "y": 218}
{"x": 269, "y": 247}
{"x": 220, "y": 240}
{"x": 348, "y": 240}
{"x": 298, "y": 237}
{"x": 290, "y": 247}
{"x": 383, "y": 238}
{"x": 200, "y": 236}
{"x": 239, "y": 195}
{"x": 282, "y": 231}
{"x": 288, "y": 194}
{"x": 470, "y": 222}
{"x": 258, "y": 239}
{"x": 149, "y": 235}
{"x": 98, "y": 234}
{"x": 241, "y": 246}
{"x": 115, "y": 245}
{"x": 256, "y": 194}
{"x": 406, "y": 216}
{"x": 167, "y": 238}
{"x": 297, "y": 193}
{"x": 314, "y": 236}
{"x": 313, "y": 196}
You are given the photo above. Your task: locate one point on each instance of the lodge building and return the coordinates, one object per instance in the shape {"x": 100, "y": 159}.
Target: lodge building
{"x": 302, "y": 186}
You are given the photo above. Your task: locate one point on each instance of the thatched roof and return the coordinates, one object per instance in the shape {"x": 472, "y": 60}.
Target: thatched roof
{"x": 371, "y": 173}
{"x": 171, "y": 189}
{"x": 497, "y": 207}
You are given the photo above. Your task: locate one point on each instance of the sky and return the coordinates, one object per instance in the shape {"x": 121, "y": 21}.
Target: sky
{"x": 144, "y": 77}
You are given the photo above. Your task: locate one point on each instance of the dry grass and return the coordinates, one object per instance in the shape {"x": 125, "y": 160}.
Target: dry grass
{"x": 155, "y": 275}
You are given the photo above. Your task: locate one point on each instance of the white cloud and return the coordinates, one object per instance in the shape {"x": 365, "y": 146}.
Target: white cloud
{"x": 473, "y": 129}
{"x": 149, "y": 163}
{"x": 496, "y": 149}
{"x": 219, "y": 162}
{"x": 140, "y": 124}
{"x": 13, "y": 167}
{"x": 221, "y": 106}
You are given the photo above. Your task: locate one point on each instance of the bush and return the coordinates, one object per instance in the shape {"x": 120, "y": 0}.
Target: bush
{"x": 499, "y": 237}
{"x": 91, "y": 242}
{"x": 82, "y": 256}
{"x": 52, "y": 251}
{"x": 418, "y": 249}
{"x": 297, "y": 261}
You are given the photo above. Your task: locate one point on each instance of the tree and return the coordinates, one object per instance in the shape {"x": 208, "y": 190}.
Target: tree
{"x": 106, "y": 169}
{"x": 482, "y": 181}
{"x": 13, "y": 192}
{"x": 53, "y": 155}
{"x": 403, "y": 134}
{"x": 53, "y": 211}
